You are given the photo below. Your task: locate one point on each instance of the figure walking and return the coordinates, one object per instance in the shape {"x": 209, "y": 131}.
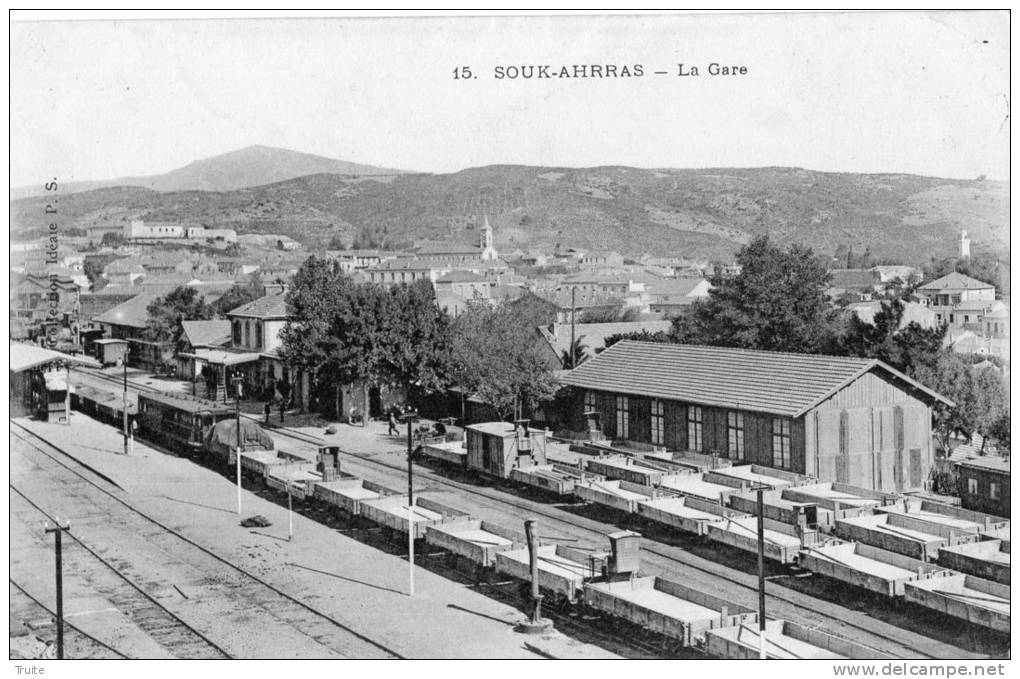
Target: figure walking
{"x": 393, "y": 425}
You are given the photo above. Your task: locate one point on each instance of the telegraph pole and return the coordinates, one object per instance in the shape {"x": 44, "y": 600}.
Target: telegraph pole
{"x": 236, "y": 381}
{"x": 127, "y": 351}
{"x": 57, "y": 531}
{"x": 761, "y": 572}
{"x": 573, "y": 359}
{"x": 411, "y": 416}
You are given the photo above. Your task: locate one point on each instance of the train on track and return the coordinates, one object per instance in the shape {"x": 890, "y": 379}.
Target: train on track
{"x": 806, "y": 523}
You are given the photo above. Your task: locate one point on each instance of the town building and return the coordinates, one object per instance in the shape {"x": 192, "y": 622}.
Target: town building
{"x": 984, "y": 484}
{"x": 606, "y": 259}
{"x": 959, "y": 301}
{"x": 847, "y": 420}
{"x": 128, "y": 321}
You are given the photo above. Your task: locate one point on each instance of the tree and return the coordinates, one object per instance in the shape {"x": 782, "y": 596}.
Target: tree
{"x": 1000, "y": 430}
{"x": 337, "y": 242}
{"x": 888, "y": 340}
{"x": 991, "y": 404}
{"x": 641, "y": 336}
{"x": 112, "y": 239}
{"x": 950, "y": 376}
{"x": 533, "y": 310}
{"x": 331, "y": 330}
{"x": 497, "y": 359}
{"x": 777, "y": 302}
{"x": 165, "y": 314}
{"x": 415, "y": 337}
{"x": 239, "y": 295}
{"x": 575, "y": 355}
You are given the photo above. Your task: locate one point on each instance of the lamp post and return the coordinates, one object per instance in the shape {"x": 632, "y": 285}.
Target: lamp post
{"x": 410, "y": 416}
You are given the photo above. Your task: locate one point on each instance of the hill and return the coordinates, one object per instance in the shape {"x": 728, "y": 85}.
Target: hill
{"x": 705, "y": 213}
{"x": 251, "y": 166}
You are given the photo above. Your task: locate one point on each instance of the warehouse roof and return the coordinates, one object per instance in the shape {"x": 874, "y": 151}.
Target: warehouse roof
{"x": 763, "y": 381}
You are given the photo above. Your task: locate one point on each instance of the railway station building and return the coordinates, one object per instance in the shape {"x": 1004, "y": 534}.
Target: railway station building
{"x": 848, "y": 420}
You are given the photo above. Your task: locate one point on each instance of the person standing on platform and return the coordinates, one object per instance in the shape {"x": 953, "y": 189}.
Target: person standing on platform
{"x": 393, "y": 425}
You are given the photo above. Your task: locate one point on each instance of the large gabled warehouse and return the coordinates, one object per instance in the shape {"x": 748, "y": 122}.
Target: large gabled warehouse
{"x": 850, "y": 420}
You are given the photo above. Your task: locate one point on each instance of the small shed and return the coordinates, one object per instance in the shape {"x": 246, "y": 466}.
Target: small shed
{"x": 499, "y": 447}
{"x": 110, "y": 351}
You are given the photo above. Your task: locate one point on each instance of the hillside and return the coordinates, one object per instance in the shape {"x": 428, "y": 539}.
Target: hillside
{"x": 705, "y": 213}
{"x": 251, "y": 166}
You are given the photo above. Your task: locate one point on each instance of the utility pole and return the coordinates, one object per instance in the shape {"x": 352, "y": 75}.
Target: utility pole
{"x": 57, "y": 531}
{"x": 236, "y": 381}
{"x": 411, "y": 416}
{"x": 127, "y": 350}
{"x": 761, "y": 572}
{"x": 573, "y": 359}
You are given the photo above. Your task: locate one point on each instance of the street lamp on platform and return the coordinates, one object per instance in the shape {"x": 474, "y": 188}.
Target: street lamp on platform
{"x": 410, "y": 416}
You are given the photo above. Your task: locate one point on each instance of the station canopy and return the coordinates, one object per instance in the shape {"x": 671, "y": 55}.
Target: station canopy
{"x": 27, "y": 356}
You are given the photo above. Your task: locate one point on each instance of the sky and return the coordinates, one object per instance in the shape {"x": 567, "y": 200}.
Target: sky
{"x": 923, "y": 93}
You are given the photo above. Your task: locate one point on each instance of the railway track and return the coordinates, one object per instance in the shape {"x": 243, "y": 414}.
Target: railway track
{"x": 246, "y": 590}
{"x": 798, "y": 607}
{"x": 78, "y": 644}
{"x": 782, "y": 601}
{"x": 157, "y": 621}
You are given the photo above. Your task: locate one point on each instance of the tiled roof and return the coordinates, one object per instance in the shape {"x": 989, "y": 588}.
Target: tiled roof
{"x": 853, "y": 278}
{"x": 131, "y": 313}
{"x": 594, "y": 335}
{"x": 763, "y": 381}
{"x": 206, "y": 333}
{"x": 460, "y": 276}
{"x": 989, "y": 462}
{"x": 270, "y": 306}
{"x": 955, "y": 281}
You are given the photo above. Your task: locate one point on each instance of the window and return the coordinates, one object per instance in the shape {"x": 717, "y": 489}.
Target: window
{"x": 972, "y": 486}
{"x": 237, "y": 333}
{"x": 993, "y": 491}
{"x": 589, "y": 401}
{"x": 781, "y": 442}
{"x": 694, "y": 423}
{"x": 622, "y": 417}
{"x": 735, "y": 431}
{"x": 952, "y": 318}
{"x": 658, "y": 422}
{"x": 247, "y": 333}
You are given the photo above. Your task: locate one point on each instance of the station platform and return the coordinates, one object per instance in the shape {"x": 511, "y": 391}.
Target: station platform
{"x": 354, "y": 583}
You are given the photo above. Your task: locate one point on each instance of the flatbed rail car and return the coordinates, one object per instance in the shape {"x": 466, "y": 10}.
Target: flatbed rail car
{"x": 670, "y": 609}
{"x": 182, "y": 421}
{"x": 472, "y": 542}
{"x": 785, "y": 640}
{"x": 867, "y": 567}
{"x": 102, "y": 405}
{"x": 977, "y": 601}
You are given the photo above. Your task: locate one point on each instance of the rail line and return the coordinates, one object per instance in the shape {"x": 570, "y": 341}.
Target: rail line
{"x": 68, "y": 626}
{"x": 665, "y": 554}
{"x": 290, "y": 600}
{"x": 156, "y": 620}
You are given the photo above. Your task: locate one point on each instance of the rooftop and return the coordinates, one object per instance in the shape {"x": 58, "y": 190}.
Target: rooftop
{"x": 989, "y": 462}
{"x": 762, "y": 381}
{"x": 206, "y": 333}
{"x": 27, "y": 356}
{"x": 133, "y": 313}
{"x": 594, "y": 335}
{"x": 270, "y": 306}
{"x": 956, "y": 281}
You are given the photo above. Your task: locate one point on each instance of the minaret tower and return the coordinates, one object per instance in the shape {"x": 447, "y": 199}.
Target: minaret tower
{"x": 964, "y": 245}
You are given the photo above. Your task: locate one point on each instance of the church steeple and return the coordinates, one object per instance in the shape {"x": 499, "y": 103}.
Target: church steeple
{"x": 488, "y": 249}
